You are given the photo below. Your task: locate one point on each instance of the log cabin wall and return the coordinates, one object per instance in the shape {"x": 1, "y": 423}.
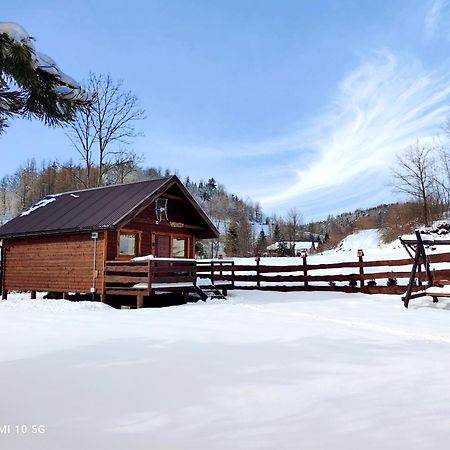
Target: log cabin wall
{"x": 62, "y": 263}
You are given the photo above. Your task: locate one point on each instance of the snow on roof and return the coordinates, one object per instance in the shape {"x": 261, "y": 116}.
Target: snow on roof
{"x": 40, "y": 204}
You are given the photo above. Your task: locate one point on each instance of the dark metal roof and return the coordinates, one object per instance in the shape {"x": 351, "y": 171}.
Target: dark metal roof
{"x": 92, "y": 209}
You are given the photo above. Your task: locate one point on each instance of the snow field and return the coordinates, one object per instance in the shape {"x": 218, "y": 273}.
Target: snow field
{"x": 258, "y": 371}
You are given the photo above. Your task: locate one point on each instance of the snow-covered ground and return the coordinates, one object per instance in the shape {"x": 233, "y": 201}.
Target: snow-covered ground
{"x": 260, "y": 370}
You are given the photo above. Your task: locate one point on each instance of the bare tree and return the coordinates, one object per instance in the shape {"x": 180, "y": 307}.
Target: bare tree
{"x": 415, "y": 176}
{"x": 25, "y": 185}
{"x": 124, "y": 163}
{"x": 294, "y": 220}
{"x": 6, "y": 198}
{"x": 83, "y": 137}
{"x": 110, "y": 120}
{"x": 218, "y": 211}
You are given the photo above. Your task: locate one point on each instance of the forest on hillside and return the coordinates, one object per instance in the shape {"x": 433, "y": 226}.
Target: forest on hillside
{"x": 245, "y": 229}
{"x": 101, "y": 122}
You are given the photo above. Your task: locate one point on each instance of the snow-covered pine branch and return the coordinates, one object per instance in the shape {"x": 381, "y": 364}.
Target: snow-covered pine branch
{"x": 32, "y": 84}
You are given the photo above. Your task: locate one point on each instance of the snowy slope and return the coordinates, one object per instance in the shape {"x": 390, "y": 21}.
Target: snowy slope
{"x": 313, "y": 371}
{"x": 368, "y": 239}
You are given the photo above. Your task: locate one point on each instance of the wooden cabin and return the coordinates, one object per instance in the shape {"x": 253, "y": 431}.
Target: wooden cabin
{"x": 66, "y": 242}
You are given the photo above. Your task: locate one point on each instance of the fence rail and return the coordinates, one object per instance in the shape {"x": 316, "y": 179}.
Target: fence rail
{"x": 125, "y": 277}
{"x": 303, "y": 276}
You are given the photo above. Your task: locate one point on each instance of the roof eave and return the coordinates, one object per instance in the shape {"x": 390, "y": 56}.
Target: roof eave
{"x": 55, "y": 232}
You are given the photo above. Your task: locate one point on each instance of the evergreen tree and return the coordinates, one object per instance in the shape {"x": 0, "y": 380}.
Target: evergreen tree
{"x": 261, "y": 243}
{"x": 232, "y": 240}
{"x": 200, "y": 249}
{"x": 283, "y": 248}
{"x": 276, "y": 235}
{"x": 31, "y": 84}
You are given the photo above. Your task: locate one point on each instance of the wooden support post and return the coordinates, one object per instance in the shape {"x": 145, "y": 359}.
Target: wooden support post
{"x": 258, "y": 275}
{"x": 360, "y": 255}
{"x": 185, "y": 297}
{"x": 194, "y": 274}
{"x": 150, "y": 277}
{"x": 103, "y": 298}
{"x": 65, "y": 296}
{"x": 140, "y": 300}
{"x": 33, "y": 295}
{"x": 224, "y": 292}
{"x": 212, "y": 272}
{"x": 419, "y": 270}
{"x": 5, "y": 294}
{"x": 412, "y": 278}
{"x": 305, "y": 267}
{"x": 422, "y": 254}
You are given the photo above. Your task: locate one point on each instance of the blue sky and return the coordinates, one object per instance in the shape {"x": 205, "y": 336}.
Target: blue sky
{"x": 291, "y": 103}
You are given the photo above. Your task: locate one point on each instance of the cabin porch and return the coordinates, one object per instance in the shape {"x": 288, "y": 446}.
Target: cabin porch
{"x": 144, "y": 278}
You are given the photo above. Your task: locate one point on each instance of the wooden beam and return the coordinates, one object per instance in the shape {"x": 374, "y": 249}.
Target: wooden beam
{"x": 140, "y": 300}
{"x": 173, "y": 197}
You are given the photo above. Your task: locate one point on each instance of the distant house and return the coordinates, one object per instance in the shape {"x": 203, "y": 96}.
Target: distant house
{"x": 273, "y": 249}
{"x": 63, "y": 243}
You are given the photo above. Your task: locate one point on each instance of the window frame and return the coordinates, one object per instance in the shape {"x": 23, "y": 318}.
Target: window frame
{"x": 137, "y": 245}
{"x": 185, "y": 239}
{"x": 188, "y": 238}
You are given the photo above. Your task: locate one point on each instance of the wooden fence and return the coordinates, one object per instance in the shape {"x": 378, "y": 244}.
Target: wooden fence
{"x": 363, "y": 275}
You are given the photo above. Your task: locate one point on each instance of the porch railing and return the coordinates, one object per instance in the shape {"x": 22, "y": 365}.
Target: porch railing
{"x": 128, "y": 277}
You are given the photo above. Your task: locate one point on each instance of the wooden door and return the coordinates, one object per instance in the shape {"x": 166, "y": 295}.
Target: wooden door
{"x": 162, "y": 246}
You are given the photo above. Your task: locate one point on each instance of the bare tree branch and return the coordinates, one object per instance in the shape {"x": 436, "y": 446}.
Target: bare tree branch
{"x": 110, "y": 121}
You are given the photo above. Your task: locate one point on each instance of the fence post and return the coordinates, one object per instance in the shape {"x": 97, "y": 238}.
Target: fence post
{"x": 232, "y": 275}
{"x": 258, "y": 279}
{"x": 221, "y": 264}
{"x": 195, "y": 270}
{"x": 304, "y": 255}
{"x": 212, "y": 272}
{"x": 3, "y": 291}
{"x": 360, "y": 254}
{"x": 150, "y": 277}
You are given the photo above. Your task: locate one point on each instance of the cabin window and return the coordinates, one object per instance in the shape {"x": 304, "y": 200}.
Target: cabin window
{"x": 127, "y": 244}
{"x": 179, "y": 248}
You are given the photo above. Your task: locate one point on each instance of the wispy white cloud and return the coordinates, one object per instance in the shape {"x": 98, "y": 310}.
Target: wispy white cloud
{"x": 340, "y": 159}
{"x": 438, "y": 11}
{"x": 381, "y": 107}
